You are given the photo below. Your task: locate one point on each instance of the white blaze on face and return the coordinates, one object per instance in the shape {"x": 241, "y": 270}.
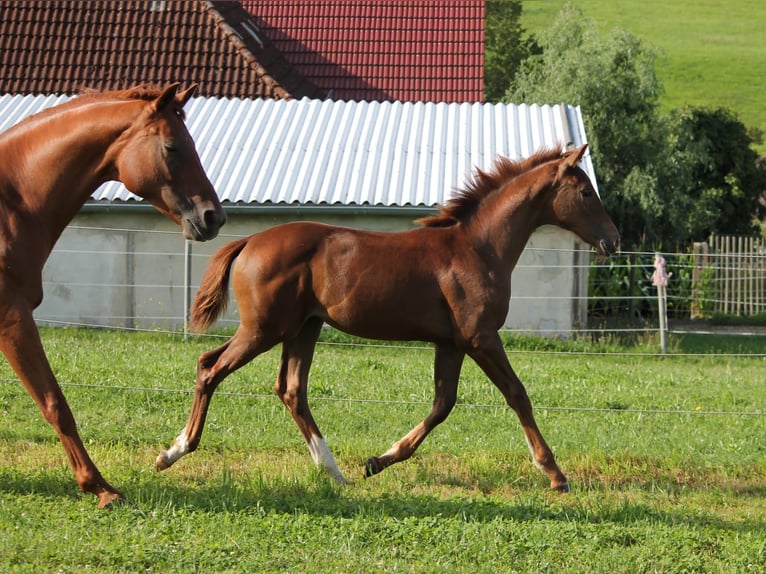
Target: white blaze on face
{"x": 322, "y": 456}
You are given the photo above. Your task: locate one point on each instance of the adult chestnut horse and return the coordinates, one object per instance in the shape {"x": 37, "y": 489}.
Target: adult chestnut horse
{"x": 448, "y": 283}
{"x": 50, "y": 163}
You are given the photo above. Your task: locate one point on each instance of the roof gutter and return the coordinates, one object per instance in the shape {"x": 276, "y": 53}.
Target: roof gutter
{"x": 262, "y": 209}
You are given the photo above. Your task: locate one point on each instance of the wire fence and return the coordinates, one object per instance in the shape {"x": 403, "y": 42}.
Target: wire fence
{"x": 618, "y": 288}
{"x": 119, "y": 283}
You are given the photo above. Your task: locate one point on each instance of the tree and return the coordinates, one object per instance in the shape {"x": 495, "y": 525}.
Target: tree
{"x": 665, "y": 179}
{"x": 723, "y": 181}
{"x": 504, "y": 46}
{"x": 614, "y": 83}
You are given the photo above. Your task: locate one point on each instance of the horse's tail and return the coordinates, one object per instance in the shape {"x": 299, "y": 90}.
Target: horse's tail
{"x": 213, "y": 294}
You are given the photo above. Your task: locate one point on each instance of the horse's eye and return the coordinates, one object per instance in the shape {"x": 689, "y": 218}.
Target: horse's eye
{"x": 586, "y": 192}
{"x": 170, "y": 147}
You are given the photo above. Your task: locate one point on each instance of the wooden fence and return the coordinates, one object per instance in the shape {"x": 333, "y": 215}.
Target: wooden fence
{"x": 729, "y": 275}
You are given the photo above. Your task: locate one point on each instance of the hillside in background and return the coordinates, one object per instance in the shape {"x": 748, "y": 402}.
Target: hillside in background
{"x": 713, "y": 52}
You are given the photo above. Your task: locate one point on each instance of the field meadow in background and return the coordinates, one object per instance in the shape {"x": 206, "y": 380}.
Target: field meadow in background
{"x": 714, "y": 53}
{"x": 666, "y": 456}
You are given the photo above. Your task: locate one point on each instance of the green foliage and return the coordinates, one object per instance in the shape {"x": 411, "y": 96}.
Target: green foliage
{"x": 722, "y": 183}
{"x": 665, "y": 180}
{"x": 505, "y": 46}
{"x": 713, "y": 52}
{"x": 614, "y": 83}
{"x": 622, "y": 287}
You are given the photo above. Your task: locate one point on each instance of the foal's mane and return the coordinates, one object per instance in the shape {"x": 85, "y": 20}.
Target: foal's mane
{"x": 483, "y": 183}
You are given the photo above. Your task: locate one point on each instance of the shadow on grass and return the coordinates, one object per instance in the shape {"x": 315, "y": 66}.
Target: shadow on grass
{"x": 323, "y": 498}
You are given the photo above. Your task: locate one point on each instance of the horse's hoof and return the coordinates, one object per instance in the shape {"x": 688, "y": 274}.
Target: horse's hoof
{"x": 108, "y": 500}
{"x": 371, "y": 467}
{"x": 563, "y": 488}
{"x": 162, "y": 462}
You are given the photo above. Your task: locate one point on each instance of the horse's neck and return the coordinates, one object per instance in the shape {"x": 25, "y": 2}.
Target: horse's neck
{"x": 509, "y": 220}
{"x": 62, "y": 159}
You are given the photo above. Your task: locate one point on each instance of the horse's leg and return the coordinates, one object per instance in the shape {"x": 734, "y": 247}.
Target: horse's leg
{"x": 292, "y": 389}
{"x": 212, "y": 368}
{"x": 447, "y": 365}
{"x": 493, "y": 361}
{"x": 20, "y": 343}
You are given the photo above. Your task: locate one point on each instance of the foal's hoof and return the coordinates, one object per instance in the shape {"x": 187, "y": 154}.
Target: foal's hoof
{"x": 371, "y": 467}
{"x": 108, "y": 500}
{"x": 162, "y": 462}
{"x": 563, "y": 488}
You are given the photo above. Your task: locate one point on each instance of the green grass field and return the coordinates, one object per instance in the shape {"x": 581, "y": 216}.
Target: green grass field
{"x": 665, "y": 454}
{"x": 714, "y": 52}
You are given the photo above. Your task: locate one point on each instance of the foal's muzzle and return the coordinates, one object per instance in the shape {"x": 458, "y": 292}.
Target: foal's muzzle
{"x": 607, "y": 247}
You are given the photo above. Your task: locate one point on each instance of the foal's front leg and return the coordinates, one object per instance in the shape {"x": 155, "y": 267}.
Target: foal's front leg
{"x": 491, "y": 357}
{"x": 447, "y": 365}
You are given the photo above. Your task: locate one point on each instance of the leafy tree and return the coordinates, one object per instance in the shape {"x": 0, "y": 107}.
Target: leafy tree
{"x": 723, "y": 181}
{"x": 665, "y": 179}
{"x": 504, "y": 46}
{"x": 614, "y": 83}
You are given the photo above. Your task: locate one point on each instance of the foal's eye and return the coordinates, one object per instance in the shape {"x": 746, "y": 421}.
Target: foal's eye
{"x": 586, "y": 192}
{"x": 170, "y": 147}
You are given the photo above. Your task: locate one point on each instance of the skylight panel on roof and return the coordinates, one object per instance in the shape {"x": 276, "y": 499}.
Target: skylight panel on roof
{"x": 253, "y": 31}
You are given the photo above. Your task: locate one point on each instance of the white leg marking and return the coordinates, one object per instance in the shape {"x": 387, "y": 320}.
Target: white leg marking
{"x": 322, "y": 455}
{"x": 180, "y": 447}
{"x": 534, "y": 460}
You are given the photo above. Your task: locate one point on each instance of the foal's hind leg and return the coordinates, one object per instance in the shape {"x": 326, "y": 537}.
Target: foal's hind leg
{"x": 493, "y": 361}
{"x": 292, "y": 389}
{"x": 447, "y": 367}
{"x": 212, "y": 368}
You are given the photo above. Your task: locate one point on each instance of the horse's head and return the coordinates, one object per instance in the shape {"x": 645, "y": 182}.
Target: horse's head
{"x": 159, "y": 162}
{"x": 577, "y": 207}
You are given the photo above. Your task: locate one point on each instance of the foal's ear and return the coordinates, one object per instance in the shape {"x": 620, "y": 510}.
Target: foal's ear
{"x": 184, "y": 96}
{"x": 166, "y": 97}
{"x": 571, "y": 159}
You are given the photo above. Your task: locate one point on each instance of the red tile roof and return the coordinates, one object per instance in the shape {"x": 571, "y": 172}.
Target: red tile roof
{"x": 61, "y": 46}
{"x": 430, "y": 50}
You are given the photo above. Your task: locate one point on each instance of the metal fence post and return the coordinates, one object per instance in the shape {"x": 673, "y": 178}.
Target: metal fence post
{"x": 660, "y": 280}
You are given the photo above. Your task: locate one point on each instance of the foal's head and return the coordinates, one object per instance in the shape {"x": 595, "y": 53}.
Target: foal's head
{"x": 158, "y": 161}
{"x": 575, "y": 205}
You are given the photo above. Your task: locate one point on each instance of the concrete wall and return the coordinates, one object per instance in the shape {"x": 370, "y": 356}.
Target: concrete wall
{"x": 125, "y": 267}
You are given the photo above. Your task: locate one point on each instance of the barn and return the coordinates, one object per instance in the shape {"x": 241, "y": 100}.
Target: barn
{"x": 374, "y": 165}
{"x": 370, "y": 119}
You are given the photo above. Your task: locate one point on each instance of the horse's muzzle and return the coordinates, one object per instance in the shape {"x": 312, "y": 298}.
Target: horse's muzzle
{"x": 203, "y": 225}
{"x": 607, "y": 247}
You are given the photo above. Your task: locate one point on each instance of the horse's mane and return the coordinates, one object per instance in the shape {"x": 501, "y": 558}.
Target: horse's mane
{"x": 146, "y": 92}
{"x": 483, "y": 183}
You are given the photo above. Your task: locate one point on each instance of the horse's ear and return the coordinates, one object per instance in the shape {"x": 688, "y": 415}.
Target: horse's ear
{"x": 166, "y": 97}
{"x": 184, "y": 96}
{"x": 571, "y": 159}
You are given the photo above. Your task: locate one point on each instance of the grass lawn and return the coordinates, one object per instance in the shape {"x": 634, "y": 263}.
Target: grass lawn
{"x": 714, "y": 53}
{"x": 665, "y": 454}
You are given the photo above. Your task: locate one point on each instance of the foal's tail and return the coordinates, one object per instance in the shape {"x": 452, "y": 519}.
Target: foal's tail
{"x": 213, "y": 294}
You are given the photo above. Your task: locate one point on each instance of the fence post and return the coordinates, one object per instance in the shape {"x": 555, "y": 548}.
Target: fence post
{"x": 660, "y": 280}
{"x": 187, "y": 285}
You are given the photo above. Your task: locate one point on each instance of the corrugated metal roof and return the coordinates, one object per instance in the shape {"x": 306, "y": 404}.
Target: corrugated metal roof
{"x": 408, "y": 50}
{"x": 322, "y": 152}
